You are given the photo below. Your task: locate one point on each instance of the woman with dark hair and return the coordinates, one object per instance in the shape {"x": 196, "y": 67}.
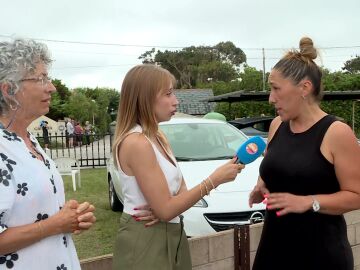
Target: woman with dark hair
{"x": 78, "y": 131}
{"x": 44, "y": 127}
{"x": 310, "y": 175}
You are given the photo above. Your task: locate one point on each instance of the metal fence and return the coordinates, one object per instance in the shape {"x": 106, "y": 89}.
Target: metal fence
{"x": 90, "y": 150}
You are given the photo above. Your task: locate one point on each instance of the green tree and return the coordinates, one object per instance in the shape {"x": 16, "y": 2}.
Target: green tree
{"x": 251, "y": 79}
{"x": 340, "y": 81}
{"x": 96, "y": 93}
{"x": 80, "y": 107}
{"x": 104, "y": 103}
{"x": 352, "y": 65}
{"x": 58, "y": 100}
{"x": 197, "y": 65}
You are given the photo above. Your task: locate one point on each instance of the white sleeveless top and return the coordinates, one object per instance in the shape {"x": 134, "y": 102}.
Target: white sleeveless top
{"x": 133, "y": 196}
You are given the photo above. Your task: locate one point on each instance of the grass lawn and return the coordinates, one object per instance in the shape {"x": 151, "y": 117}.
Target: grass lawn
{"x": 99, "y": 239}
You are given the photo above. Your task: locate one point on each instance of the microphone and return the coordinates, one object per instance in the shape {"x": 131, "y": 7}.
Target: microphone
{"x": 250, "y": 150}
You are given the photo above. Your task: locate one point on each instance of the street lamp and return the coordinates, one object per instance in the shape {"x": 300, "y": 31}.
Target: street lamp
{"x": 112, "y": 114}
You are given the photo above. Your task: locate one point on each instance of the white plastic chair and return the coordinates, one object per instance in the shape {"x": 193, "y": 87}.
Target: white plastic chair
{"x": 64, "y": 166}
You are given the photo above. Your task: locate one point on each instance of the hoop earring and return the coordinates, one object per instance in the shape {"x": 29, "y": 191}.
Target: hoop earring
{"x": 14, "y": 108}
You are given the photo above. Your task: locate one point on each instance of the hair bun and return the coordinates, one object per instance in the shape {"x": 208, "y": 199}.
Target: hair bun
{"x": 307, "y": 48}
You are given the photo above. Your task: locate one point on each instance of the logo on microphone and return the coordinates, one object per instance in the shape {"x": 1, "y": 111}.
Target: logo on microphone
{"x": 252, "y": 148}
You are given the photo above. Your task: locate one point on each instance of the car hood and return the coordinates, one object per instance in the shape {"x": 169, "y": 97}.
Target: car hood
{"x": 196, "y": 171}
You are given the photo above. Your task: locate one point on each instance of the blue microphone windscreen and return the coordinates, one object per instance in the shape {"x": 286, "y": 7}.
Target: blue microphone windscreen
{"x": 250, "y": 150}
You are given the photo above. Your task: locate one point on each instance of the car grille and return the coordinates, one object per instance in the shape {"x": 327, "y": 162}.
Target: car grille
{"x": 225, "y": 221}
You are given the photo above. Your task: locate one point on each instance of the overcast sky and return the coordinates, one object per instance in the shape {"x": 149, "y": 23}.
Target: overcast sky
{"x": 275, "y": 25}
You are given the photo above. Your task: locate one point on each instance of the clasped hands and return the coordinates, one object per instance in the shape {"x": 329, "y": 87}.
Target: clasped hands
{"x": 74, "y": 217}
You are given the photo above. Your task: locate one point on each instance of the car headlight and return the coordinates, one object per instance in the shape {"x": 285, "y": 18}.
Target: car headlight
{"x": 202, "y": 203}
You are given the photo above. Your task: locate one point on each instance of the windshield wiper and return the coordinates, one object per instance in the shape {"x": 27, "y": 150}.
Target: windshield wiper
{"x": 218, "y": 158}
{"x": 203, "y": 158}
{"x": 187, "y": 159}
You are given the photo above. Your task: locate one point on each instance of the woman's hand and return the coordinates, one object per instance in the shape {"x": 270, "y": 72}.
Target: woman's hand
{"x": 146, "y": 214}
{"x": 66, "y": 220}
{"x": 86, "y": 217}
{"x": 72, "y": 218}
{"x": 257, "y": 195}
{"x": 285, "y": 203}
{"x": 226, "y": 172}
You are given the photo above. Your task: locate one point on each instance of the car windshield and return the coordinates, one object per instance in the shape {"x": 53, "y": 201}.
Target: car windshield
{"x": 203, "y": 141}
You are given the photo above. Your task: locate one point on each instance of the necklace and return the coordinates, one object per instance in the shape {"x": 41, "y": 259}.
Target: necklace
{"x": 30, "y": 145}
{"x": 35, "y": 152}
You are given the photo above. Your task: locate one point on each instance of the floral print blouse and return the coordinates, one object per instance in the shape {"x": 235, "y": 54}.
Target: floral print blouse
{"x": 32, "y": 190}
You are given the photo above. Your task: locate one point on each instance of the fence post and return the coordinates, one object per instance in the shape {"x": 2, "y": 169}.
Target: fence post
{"x": 236, "y": 248}
{"x": 241, "y": 247}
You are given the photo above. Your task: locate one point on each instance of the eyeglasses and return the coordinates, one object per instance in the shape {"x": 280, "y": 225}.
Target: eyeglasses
{"x": 44, "y": 80}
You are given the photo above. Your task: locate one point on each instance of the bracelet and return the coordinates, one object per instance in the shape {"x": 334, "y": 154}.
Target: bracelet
{"x": 211, "y": 182}
{"x": 201, "y": 194}
{"x": 207, "y": 190}
{"x": 41, "y": 230}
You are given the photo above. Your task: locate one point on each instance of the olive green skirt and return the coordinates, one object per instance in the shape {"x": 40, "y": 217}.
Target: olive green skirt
{"x": 163, "y": 246}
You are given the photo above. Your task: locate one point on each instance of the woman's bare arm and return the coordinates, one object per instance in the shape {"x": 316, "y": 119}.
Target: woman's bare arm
{"x": 137, "y": 158}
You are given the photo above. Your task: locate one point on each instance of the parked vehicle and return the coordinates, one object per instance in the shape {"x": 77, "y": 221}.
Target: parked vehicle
{"x": 253, "y": 126}
{"x": 200, "y": 146}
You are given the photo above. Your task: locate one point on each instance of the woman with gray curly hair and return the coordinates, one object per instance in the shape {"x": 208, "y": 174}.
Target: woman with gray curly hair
{"x": 35, "y": 221}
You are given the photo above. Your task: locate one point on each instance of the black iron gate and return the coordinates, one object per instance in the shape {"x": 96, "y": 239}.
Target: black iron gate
{"x": 89, "y": 150}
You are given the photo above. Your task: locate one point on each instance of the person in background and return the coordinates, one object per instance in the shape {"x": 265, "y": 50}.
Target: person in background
{"x": 66, "y": 133}
{"x": 310, "y": 175}
{"x": 35, "y": 221}
{"x": 87, "y": 131}
{"x": 44, "y": 127}
{"x": 78, "y": 132}
{"x": 70, "y": 132}
{"x": 153, "y": 238}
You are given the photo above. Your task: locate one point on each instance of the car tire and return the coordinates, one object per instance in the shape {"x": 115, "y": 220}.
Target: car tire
{"x": 114, "y": 201}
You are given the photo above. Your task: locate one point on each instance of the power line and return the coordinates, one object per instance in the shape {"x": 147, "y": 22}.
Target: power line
{"x": 124, "y": 65}
{"x": 165, "y": 46}
{"x": 100, "y": 43}
{"x": 122, "y": 54}
{"x": 87, "y": 52}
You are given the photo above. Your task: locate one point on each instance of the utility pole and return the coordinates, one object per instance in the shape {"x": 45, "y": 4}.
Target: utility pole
{"x": 353, "y": 115}
{"x": 263, "y": 53}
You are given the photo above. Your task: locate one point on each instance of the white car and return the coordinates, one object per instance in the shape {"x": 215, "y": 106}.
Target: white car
{"x": 200, "y": 146}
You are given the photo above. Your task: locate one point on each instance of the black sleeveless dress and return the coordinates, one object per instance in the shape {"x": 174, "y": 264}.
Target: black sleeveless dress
{"x": 294, "y": 164}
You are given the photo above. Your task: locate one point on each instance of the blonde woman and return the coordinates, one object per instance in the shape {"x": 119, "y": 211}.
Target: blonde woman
{"x": 151, "y": 176}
